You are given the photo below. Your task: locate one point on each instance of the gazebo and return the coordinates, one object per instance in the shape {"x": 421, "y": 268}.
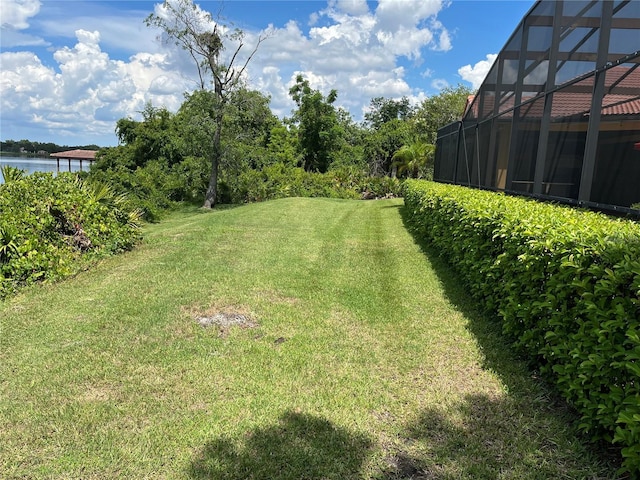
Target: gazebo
{"x": 80, "y": 155}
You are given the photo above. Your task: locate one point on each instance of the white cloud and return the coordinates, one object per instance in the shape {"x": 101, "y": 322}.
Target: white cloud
{"x": 88, "y": 94}
{"x": 356, "y": 51}
{"x": 13, "y": 38}
{"x": 87, "y": 87}
{"x": 355, "y": 31}
{"x": 16, "y": 13}
{"x": 14, "y": 18}
{"x": 476, "y": 74}
{"x": 352, "y": 7}
{"x": 393, "y": 14}
{"x": 427, "y": 73}
{"x": 444, "y": 39}
{"x": 126, "y": 33}
{"x": 439, "y": 83}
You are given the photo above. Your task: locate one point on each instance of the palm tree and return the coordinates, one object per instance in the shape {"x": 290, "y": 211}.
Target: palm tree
{"x": 414, "y": 158}
{"x": 11, "y": 174}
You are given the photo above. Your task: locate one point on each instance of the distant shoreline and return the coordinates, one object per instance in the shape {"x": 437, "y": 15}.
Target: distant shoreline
{"x": 24, "y": 155}
{"x": 33, "y": 164}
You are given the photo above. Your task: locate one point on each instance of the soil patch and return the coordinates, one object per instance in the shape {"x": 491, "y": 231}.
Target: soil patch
{"x": 224, "y": 320}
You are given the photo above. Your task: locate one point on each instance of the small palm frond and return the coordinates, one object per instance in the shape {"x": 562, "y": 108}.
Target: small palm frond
{"x": 413, "y": 157}
{"x": 102, "y": 192}
{"x": 7, "y": 244}
{"x": 11, "y": 174}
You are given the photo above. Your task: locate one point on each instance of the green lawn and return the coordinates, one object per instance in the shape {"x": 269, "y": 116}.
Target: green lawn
{"x": 360, "y": 357}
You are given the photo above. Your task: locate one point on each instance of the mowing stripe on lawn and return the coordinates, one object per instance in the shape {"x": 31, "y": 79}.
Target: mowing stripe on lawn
{"x": 357, "y": 355}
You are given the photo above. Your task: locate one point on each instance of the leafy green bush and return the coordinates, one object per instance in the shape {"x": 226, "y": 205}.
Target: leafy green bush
{"x": 48, "y": 224}
{"x": 279, "y": 180}
{"x": 380, "y": 187}
{"x": 566, "y": 285}
{"x": 148, "y": 189}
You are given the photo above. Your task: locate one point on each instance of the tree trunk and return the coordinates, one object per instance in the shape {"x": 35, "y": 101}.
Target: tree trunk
{"x": 212, "y": 189}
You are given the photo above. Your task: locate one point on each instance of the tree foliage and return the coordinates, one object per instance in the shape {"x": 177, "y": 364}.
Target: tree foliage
{"x": 152, "y": 138}
{"x": 381, "y": 144}
{"x": 414, "y": 158}
{"x": 439, "y": 110}
{"x": 193, "y": 29}
{"x": 383, "y": 110}
{"x": 319, "y": 131}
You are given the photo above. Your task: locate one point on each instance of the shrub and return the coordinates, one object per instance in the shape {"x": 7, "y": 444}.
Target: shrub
{"x": 279, "y": 180}
{"x": 150, "y": 189}
{"x": 48, "y": 224}
{"x": 565, "y": 284}
{"x": 380, "y": 187}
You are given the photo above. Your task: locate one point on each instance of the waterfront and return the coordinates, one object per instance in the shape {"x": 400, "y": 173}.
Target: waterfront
{"x": 31, "y": 165}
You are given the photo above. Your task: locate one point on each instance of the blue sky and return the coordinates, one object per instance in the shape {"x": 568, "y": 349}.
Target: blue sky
{"x": 69, "y": 69}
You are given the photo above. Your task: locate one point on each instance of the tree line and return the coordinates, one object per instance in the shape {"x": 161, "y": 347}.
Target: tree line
{"x": 224, "y": 144}
{"x": 167, "y": 155}
{"x": 31, "y": 148}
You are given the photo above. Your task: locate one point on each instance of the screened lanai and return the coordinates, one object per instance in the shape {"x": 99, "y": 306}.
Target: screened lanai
{"x": 558, "y": 115}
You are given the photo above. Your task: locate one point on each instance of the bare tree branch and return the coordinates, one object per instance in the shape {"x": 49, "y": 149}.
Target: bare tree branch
{"x": 191, "y": 29}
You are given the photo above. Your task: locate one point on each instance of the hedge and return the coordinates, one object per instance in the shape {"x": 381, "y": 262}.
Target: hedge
{"x": 565, "y": 284}
{"x": 280, "y": 181}
{"x": 50, "y": 225}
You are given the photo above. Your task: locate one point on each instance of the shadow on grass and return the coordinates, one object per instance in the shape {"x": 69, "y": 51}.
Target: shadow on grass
{"x": 298, "y": 446}
{"x": 531, "y": 405}
{"x": 496, "y": 347}
{"x": 484, "y": 437}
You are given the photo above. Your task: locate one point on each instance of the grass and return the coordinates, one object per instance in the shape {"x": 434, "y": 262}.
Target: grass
{"x": 362, "y": 358}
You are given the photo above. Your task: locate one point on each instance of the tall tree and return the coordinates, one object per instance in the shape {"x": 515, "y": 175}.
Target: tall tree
{"x": 153, "y": 138}
{"x": 381, "y": 144}
{"x": 319, "y": 130}
{"x": 193, "y": 29}
{"x": 383, "y": 110}
{"x": 282, "y": 147}
{"x": 247, "y": 130}
{"x": 439, "y": 110}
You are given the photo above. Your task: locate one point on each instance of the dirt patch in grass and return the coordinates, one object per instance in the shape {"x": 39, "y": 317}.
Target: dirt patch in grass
{"x": 404, "y": 467}
{"x": 224, "y": 318}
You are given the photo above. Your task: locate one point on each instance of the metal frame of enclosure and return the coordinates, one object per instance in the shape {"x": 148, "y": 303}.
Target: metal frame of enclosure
{"x": 558, "y": 115}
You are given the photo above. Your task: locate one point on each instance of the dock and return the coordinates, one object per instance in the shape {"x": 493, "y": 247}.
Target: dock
{"x": 81, "y": 155}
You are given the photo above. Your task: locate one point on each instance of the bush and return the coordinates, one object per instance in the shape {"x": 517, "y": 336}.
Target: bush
{"x": 48, "y": 224}
{"x": 279, "y": 180}
{"x": 565, "y": 284}
{"x": 380, "y": 187}
{"x": 151, "y": 189}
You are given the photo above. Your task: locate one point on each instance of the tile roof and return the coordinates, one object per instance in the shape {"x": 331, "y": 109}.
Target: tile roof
{"x": 575, "y": 99}
{"x": 76, "y": 154}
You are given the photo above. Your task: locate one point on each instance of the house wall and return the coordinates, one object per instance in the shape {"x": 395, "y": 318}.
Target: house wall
{"x": 559, "y": 111}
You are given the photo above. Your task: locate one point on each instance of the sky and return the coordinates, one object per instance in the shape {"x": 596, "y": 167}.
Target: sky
{"x": 70, "y": 69}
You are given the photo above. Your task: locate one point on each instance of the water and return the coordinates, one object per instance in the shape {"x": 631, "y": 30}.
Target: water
{"x": 30, "y": 165}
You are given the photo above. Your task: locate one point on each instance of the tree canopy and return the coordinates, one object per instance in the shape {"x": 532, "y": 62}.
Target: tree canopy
{"x": 319, "y": 131}
{"x": 225, "y": 144}
{"x": 439, "y": 110}
{"x": 204, "y": 39}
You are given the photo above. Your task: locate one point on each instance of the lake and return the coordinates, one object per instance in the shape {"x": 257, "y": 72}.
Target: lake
{"x": 31, "y": 165}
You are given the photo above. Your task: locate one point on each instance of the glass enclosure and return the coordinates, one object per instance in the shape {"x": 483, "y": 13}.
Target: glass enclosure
{"x": 558, "y": 115}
